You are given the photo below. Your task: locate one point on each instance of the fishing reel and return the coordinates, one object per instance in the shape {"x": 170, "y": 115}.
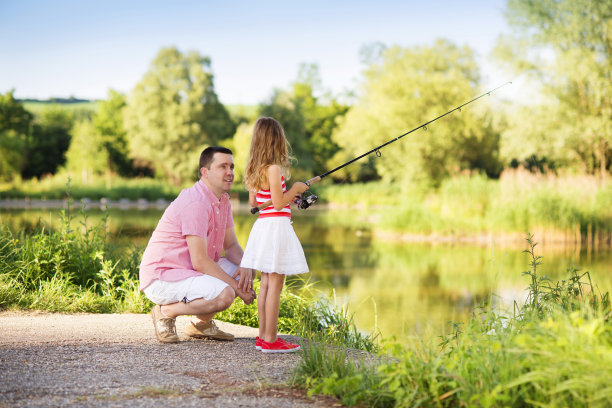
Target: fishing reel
{"x": 305, "y": 201}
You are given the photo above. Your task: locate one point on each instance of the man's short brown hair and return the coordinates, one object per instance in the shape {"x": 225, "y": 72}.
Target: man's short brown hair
{"x": 207, "y": 155}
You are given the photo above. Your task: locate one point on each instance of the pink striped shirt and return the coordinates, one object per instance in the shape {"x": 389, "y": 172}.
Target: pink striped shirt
{"x": 196, "y": 211}
{"x": 265, "y": 195}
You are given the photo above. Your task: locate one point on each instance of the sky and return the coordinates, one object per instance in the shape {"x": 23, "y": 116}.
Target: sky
{"x": 83, "y": 48}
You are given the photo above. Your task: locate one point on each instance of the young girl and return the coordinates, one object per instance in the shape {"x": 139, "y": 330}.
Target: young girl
{"x": 272, "y": 248}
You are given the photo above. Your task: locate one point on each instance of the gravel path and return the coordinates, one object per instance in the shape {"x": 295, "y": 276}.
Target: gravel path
{"x": 115, "y": 361}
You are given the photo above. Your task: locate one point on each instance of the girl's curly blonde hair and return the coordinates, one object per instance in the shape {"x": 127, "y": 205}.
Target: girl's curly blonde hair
{"x": 269, "y": 146}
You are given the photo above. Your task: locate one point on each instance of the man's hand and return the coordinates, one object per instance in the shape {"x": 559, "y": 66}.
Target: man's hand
{"x": 247, "y": 297}
{"x": 245, "y": 283}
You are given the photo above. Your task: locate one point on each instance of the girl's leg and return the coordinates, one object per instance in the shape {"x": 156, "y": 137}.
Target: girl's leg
{"x": 272, "y": 305}
{"x": 261, "y": 304}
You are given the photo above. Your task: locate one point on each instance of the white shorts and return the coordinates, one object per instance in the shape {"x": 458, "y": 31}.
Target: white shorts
{"x": 186, "y": 290}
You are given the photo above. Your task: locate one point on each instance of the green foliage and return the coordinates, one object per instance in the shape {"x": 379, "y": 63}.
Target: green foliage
{"x": 70, "y": 269}
{"x": 573, "y": 122}
{"x": 86, "y": 156}
{"x": 305, "y": 315}
{"x": 339, "y": 372}
{"x": 545, "y": 296}
{"x": 558, "y": 355}
{"x": 470, "y": 205}
{"x": 15, "y": 124}
{"x": 48, "y": 142}
{"x": 240, "y": 147}
{"x": 173, "y": 112}
{"x": 108, "y": 123}
{"x": 406, "y": 87}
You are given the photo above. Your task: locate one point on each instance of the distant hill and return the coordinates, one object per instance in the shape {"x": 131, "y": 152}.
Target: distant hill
{"x": 72, "y": 99}
{"x": 37, "y": 105}
{"x": 240, "y": 113}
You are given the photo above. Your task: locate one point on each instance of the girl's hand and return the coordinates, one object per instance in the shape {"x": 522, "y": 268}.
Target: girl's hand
{"x": 299, "y": 187}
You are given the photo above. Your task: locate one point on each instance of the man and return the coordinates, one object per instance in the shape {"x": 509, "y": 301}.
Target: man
{"x": 182, "y": 270}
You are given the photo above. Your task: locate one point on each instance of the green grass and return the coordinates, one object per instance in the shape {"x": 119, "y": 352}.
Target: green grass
{"x": 37, "y": 107}
{"x": 74, "y": 268}
{"x": 54, "y": 188}
{"x": 305, "y": 313}
{"x": 553, "y": 350}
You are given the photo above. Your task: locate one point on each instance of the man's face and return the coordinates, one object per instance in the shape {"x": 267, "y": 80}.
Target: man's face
{"x": 220, "y": 175}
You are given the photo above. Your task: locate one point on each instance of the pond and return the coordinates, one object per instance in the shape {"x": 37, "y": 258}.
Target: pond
{"x": 399, "y": 289}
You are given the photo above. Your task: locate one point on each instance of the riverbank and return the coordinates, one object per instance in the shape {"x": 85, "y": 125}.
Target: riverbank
{"x": 114, "y": 360}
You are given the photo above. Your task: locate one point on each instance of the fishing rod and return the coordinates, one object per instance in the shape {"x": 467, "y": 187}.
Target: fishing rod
{"x": 306, "y": 201}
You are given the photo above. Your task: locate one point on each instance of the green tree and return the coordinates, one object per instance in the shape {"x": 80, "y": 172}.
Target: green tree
{"x": 240, "y": 147}
{"x": 320, "y": 111}
{"x": 566, "y": 45}
{"x": 87, "y": 155}
{"x": 405, "y": 87}
{"x": 15, "y": 123}
{"x": 108, "y": 123}
{"x": 173, "y": 112}
{"x": 282, "y": 107}
{"x": 308, "y": 114}
{"x": 48, "y": 141}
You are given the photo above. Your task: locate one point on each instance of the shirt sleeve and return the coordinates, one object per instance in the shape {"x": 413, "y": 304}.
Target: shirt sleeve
{"x": 230, "y": 218}
{"x": 195, "y": 219}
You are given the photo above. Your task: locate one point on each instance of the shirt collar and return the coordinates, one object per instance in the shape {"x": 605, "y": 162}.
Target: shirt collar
{"x": 205, "y": 191}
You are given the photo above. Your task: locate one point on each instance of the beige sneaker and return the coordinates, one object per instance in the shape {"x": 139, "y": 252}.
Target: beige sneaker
{"x": 165, "y": 329}
{"x": 207, "y": 331}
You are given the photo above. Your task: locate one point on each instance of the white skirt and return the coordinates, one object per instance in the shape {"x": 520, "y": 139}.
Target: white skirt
{"x": 273, "y": 247}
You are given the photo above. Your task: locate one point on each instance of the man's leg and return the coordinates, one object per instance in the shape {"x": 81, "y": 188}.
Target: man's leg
{"x": 204, "y": 309}
{"x": 202, "y": 326}
{"x": 164, "y": 316}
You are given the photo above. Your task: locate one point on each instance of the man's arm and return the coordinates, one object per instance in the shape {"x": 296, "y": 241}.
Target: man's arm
{"x": 233, "y": 252}
{"x": 202, "y": 263}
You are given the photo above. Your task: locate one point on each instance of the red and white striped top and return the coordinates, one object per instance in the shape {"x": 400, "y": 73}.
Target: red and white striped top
{"x": 265, "y": 195}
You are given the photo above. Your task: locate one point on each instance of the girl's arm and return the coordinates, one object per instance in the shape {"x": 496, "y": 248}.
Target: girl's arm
{"x": 280, "y": 199}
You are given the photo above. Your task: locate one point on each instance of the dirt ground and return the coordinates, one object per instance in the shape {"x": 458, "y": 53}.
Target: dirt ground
{"x": 114, "y": 360}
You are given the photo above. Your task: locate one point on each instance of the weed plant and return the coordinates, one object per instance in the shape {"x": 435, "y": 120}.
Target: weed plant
{"x": 74, "y": 268}
{"x": 553, "y": 350}
{"x": 303, "y": 313}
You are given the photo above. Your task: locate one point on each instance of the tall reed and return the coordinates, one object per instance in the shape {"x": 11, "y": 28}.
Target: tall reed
{"x": 565, "y": 209}
{"x": 553, "y": 350}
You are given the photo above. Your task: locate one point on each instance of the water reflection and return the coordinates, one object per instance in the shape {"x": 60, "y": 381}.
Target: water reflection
{"x": 398, "y": 288}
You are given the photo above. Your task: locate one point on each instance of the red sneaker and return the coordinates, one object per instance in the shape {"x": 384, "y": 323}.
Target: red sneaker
{"x": 258, "y": 342}
{"x": 279, "y": 346}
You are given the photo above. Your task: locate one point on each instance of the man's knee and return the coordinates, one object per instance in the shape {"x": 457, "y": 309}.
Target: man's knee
{"x": 226, "y": 298}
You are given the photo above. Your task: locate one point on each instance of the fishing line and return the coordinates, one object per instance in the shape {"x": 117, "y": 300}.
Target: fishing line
{"x": 306, "y": 201}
